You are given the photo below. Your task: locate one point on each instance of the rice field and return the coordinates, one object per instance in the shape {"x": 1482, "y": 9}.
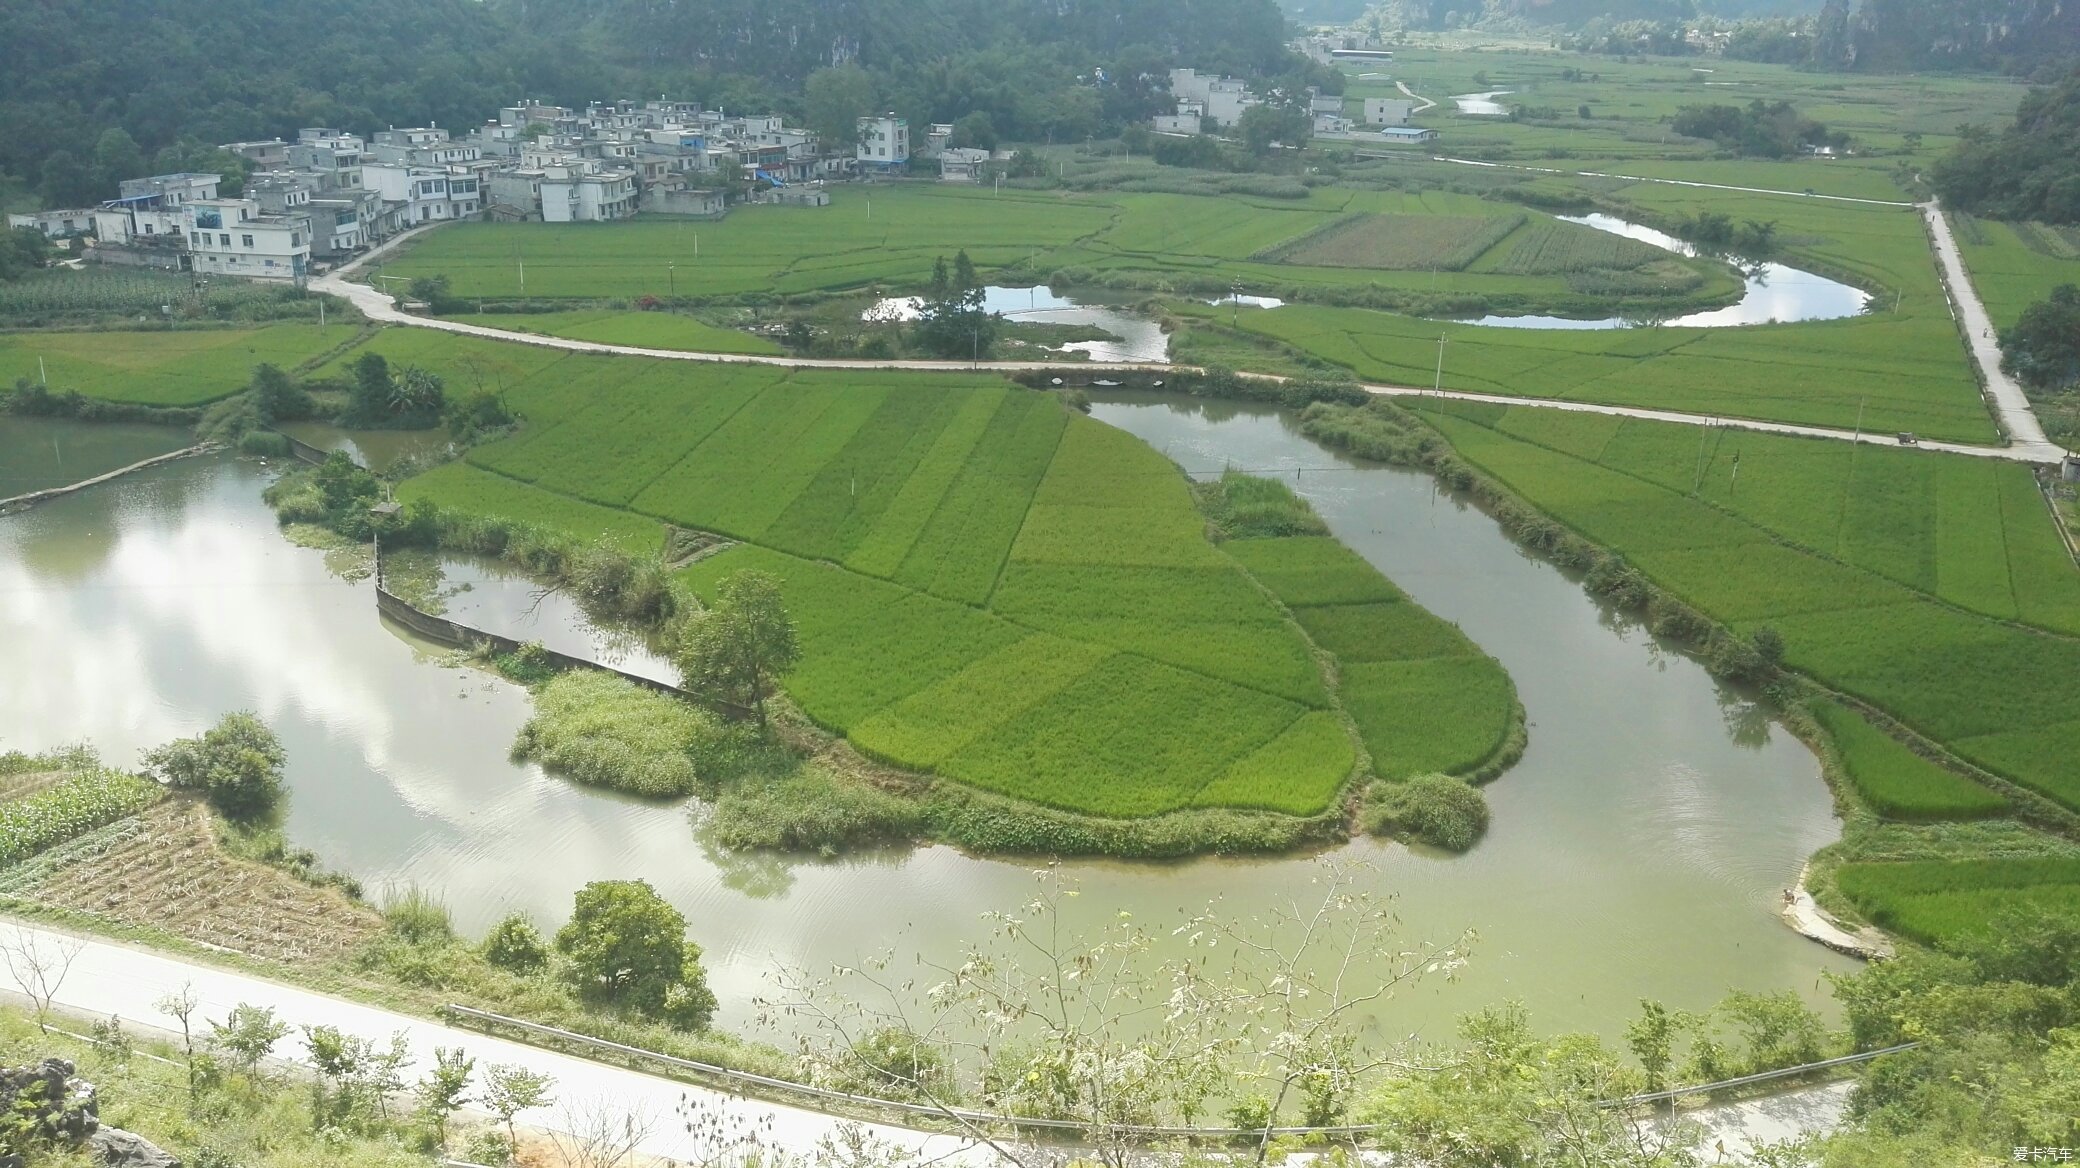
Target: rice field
{"x": 1406, "y": 242}
{"x": 1424, "y": 698}
{"x": 988, "y": 586}
{"x": 646, "y": 330}
{"x": 1896, "y": 782}
{"x": 1938, "y": 901}
{"x": 1931, "y": 586}
{"x": 2014, "y": 265}
{"x": 1547, "y": 249}
{"x": 162, "y": 368}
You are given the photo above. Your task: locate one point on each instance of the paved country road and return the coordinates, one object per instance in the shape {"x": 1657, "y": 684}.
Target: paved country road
{"x": 107, "y": 977}
{"x": 2029, "y": 444}
{"x": 110, "y": 978}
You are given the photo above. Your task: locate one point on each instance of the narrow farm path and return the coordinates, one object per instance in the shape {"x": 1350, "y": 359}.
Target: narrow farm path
{"x": 109, "y": 978}
{"x": 1673, "y": 182}
{"x": 378, "y": 305}
{"x": 1410, "y": 93}
{"x": 2011, "y": 406}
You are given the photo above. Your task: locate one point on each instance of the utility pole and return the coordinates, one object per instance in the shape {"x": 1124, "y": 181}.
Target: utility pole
{"x": 671, "y": 273}
{"x": 1438, "y": 385}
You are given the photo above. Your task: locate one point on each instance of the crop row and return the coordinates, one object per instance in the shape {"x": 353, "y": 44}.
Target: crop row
{"x": 77, "y": 805}
{"x": 1896, "y": 782}
{"x": 1743, "y": 545}
{"x": 1558, "y": 248}
{"x": 1445, "y": 243}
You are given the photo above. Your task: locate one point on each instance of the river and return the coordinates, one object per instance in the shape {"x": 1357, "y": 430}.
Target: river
{"x": 1638, "y": 850}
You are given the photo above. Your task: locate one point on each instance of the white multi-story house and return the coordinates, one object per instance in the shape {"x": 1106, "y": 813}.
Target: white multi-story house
{"x": 423, "y": 146}
{"x": 425, "y": 194}
{"x": 571, "y": 194}
{"x": 234, "y": 237}
{"x": 335, "y": 155}
{"x": 1387, "y": 111}
{"x": 1221, "y": 98}
{"x": 884, "y": 142}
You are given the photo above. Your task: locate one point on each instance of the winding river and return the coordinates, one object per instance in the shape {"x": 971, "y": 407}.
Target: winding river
{"x": 1638, "y": 850}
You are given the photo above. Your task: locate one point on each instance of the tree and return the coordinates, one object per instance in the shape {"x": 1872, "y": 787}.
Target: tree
{"x": 66, "y": 181}
{"x": 974, "y": 131}
{"x": 1281, "y": 123}
{"x": 627, "y": 946}
{"x": 441, "y": 1091}
{"x": 833, "y": 102}
{"x": 357, "y": 1077}
{"x": 510, "y": 1089}
{"x": 2043, "y": 349}
{"x": 369, "y": 396}
{"x": 1652, "y": 1038}
{"x": 277, "y": 396}
{"x": 247, "y": 1035}
{"x": 116, "y": 157}
{"x": 236, "y": 765}
{"x": 952, "y": 321}
{"x": 23, "y": 250}
{"x": 38, "y": 963}
{"x": 739, "y": 647}
{"x": 181, "y": 1006}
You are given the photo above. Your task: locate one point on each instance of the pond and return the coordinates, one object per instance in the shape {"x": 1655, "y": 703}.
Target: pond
{"x": 1638, "y": 850}
{"x": 1771, "y": 292}
{"x": 37, "y": 454}
{"x": 1140, "y": 339}
{"x": 1482, "y": 104}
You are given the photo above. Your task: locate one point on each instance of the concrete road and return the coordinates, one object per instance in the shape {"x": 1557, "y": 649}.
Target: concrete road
{"x": 2010, "y": 405}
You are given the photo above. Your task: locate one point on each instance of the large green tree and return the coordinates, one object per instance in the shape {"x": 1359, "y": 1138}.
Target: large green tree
{"x": 628, "y": 947}
{"x": 739, "y": 647}
{"x": 833, "y": 101}
{"x": 2043, "y": 349}
{"x": 951, "y": 320}
{"x": 236, "y": 765}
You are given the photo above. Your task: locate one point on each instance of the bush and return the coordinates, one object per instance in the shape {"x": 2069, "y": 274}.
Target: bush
{"x": 607, "y": 731}
{"x": 1437, "y": 810}
{"x": 628, "y": 947}
{"x": 810, "y": 809}
{"x": 265, "y": 443}
{"x": 514, "y": 943}
{"x": 417, "y": 916}
{"x": 236, "y": 765}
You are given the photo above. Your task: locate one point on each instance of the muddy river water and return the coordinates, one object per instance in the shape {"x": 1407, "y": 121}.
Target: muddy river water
{"x": 1638, "y": 850}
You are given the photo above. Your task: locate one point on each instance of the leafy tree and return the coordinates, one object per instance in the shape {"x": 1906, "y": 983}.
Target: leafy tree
{"x": 951, "y": 321}
{"x": 356, "y": 1077}
{"x": 974, "y": 131}
{"x": 833, "y": 101}
{"x": 2043, "y": 349}
{"x": 514, "y": 943}
{"x": 1274, "y": 123}
{"x": 22, "y": 250}
{"x": 247, "y": 1035}
{"x": 236, "y": 765}
{"x": 739, "y": 647}
{"x": 116, "y": 157}
{"x": 441, "y": 1092}
{"x": 370, "y": 394}
{"x": 1652, "y": 1039}
{"x": 276, "y": 395}
{"x": 66, "y": 181}
{"x": 627, "y": 946}
{"x": 510, "y": 1089}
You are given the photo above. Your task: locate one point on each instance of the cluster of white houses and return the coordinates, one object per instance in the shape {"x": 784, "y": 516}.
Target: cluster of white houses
{"x": 1214, "y": 104}
{"x": 330, "y": 193}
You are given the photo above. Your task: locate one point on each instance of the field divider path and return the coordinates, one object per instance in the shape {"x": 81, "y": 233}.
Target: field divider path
{"x": 381, "y": 306}
{"x": 2010, "y": 404}
{"x": 1410, "y": 93}
{"x": 1674, "y": 182}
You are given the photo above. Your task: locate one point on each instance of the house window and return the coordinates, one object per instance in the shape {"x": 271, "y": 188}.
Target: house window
{"x": 224, "y": 239}
{"x": 147, "y": 227}
{"x": 296, "y": 239}
{"x": 245, "y": 241}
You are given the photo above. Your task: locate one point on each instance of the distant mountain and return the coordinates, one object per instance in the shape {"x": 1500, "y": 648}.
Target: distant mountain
{"x": 2015, "y": 35}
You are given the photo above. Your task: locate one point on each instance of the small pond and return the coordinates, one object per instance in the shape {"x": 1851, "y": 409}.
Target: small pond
{"x": 1482, "y": 104}
{"x": 1140, "y": 339}
{"x": 1772, "y": 293}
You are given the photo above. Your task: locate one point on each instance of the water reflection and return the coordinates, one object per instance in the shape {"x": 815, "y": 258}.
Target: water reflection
{"x": 1139, "y": 339}
{"x": 1772, "y": 293}
{"x": 1482, "y": 104}
{"x": 1636, "y": 851}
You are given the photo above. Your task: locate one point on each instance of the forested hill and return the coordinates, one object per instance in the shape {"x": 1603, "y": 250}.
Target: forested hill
{"x": 2014, "y": 35}
{"x": 785, "y": 40}
{"x": 174, "y": 75}
{"x": 2031, "y": 169}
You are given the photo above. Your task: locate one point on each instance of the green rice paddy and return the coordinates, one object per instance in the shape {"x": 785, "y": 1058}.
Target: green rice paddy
{"x": 162, "y": 368}
{"x": 989, "y": 586}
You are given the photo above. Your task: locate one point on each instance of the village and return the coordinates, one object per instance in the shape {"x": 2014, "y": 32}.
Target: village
{"x": 306, "y": 205}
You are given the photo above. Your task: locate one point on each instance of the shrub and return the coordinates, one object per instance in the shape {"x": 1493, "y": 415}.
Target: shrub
{"x": 514, "y": 943}
{"x": 810, "y": 809}
{"x": 265, "y": 443}
{"x": 417, "y": 916}
{"x": 236, "y": 765}
{"x": 1438, "y": 810}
